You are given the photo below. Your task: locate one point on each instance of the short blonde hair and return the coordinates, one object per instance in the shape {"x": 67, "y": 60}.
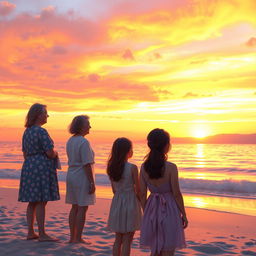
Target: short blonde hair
{"x": 77, "y": 124}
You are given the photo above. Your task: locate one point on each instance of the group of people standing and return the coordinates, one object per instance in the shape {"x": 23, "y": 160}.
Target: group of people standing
{"x": 164, "y": 217}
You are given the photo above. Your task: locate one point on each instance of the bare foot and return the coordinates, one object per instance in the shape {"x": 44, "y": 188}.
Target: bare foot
{"x": 46, "y": 238}
{"x": 32, "y": 236}
{"x": 82, "y": 241}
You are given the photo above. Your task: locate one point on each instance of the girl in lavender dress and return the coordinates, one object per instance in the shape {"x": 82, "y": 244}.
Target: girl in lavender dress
{"x": 164, "y": 213}
{"x": 125, "y": 212}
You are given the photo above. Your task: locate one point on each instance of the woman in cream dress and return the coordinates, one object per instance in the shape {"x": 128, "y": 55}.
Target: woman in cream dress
{"x": 80, "y": 179}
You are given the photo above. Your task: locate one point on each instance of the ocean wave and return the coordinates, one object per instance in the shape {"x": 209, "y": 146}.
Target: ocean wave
{"x": 217, "y": 170}
{"x": 219, "y": 187}
{"x": 227, "y": 187}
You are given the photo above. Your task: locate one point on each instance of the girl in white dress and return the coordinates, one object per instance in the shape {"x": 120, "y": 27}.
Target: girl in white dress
{"x": 80, "y": 179}
{"x": 125, "y": 212}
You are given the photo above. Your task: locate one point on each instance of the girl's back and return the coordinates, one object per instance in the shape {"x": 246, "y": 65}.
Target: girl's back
{"x": 126, "y": 183}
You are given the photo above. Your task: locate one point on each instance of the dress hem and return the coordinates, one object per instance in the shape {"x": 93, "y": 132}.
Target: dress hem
{"x": 34, "y": 201}
{"x": 112, "y": 230}
{"x": 85, "y": 204}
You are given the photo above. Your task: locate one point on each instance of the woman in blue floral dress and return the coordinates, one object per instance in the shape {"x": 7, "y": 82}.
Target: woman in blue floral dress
{"x": 38, "y": 182}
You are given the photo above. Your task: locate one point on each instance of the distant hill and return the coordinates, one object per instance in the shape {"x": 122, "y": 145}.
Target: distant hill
{"x": 219, "y": 139}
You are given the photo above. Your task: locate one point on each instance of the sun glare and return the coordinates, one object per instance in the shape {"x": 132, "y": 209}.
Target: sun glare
{"x": 200, "y": 131}
{"x": 200, "y": 134}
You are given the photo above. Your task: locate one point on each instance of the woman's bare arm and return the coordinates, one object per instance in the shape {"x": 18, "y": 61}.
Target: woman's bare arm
{"x": 51, "y": 153}
{"x": 135, "y": 177}
{"x": 88, "y": 173}
{"x": 113, "y": 188}
{"x": 143, "y": 189}
{"x": 174, "y": 180}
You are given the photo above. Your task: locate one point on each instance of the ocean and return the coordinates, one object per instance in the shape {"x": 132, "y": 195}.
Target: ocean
{"x": 217, "y": 177}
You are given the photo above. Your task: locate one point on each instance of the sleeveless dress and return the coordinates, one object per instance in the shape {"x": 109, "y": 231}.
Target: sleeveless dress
{"x": 38, "y": 181}
{"x": 125, "y": 210}
{"x": 79, "y": 154}
{"x": 161, "y": 227}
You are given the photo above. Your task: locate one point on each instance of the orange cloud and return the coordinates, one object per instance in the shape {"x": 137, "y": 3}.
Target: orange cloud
{"x": 128, "y": 55}
{"x": 251, "y": 42}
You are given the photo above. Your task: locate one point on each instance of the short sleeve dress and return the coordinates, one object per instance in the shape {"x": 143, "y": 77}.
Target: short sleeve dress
{"x": 79, "y": 154}
{"x": 125, "y": 210}
{"x": 38, "y": 181}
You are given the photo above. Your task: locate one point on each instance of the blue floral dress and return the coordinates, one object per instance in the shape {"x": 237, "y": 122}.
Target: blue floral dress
{"x": 38, "y": 181}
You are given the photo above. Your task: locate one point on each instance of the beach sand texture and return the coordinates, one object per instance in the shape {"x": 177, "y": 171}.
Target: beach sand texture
{"x": 209, "y": 232}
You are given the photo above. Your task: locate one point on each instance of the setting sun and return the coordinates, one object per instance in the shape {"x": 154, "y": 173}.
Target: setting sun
{"x": 200, "y": 131}
{"x": 200, "y": 134}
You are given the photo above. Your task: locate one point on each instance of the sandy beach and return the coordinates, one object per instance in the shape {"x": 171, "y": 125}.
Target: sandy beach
{"x": 209, "y": 232}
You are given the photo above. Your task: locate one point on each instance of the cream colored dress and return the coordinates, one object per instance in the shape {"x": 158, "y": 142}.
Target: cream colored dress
{"x": 125, "y": 210}
{"x": 79, "y": 154}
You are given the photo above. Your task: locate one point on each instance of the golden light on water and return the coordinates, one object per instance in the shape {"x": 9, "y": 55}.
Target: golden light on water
{"x": 199, "y": 202}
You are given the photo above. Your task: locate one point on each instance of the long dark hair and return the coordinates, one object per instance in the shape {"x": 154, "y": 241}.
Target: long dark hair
{"x": 117, "y": 159}
{"x": 34, "y": 112}
{"x": 159, "y": 144}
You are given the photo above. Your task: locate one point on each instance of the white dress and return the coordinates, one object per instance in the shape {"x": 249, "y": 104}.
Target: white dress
{"x": 125, "y": 210}
{"x": 79, "y": 154}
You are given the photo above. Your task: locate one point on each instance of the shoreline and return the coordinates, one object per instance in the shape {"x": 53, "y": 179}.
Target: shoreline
{"x": 236, "y": 205}
{"x": 209, "y": 232}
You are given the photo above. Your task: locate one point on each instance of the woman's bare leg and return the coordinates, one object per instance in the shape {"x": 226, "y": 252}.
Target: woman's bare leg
{"x": 117, "y": 244}
{"x": 80, "y": 221}
{"x": 127, "y": 242}
{"x": 31, "y": 211}
{"x": 72, "y": 222}
{"x": 40, "y": 218}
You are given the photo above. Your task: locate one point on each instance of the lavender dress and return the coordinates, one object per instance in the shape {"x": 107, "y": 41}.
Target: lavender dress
{"x": 161, "y": 228}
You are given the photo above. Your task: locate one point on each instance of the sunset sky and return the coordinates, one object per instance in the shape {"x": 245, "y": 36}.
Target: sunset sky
{"x": 188, "y": 66}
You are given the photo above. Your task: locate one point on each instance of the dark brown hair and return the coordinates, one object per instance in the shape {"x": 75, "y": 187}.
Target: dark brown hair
{"x": 77, "y": 124}
{"x": 117, "y": 159}
{"x": 34, "y": 112}
{"x": 159, "y": 144}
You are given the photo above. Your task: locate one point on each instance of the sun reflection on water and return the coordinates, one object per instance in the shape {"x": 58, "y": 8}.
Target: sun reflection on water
{"x": 200, "y": 155}
{"x": 198, "y": 202}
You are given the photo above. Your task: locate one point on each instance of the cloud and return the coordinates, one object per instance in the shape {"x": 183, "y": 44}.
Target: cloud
{"x": 127, "y": 55}
{"x": 93, "y": 78}
{"x": 157, "y": 55}
{"x": 76, "y": 62}
{"x": 251, "y": 42}
{"x": 199, "y": 61}
{"x": 58, "y": 50}
{"x": 190, "y": 95}
{"x": 6, "y": 8}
